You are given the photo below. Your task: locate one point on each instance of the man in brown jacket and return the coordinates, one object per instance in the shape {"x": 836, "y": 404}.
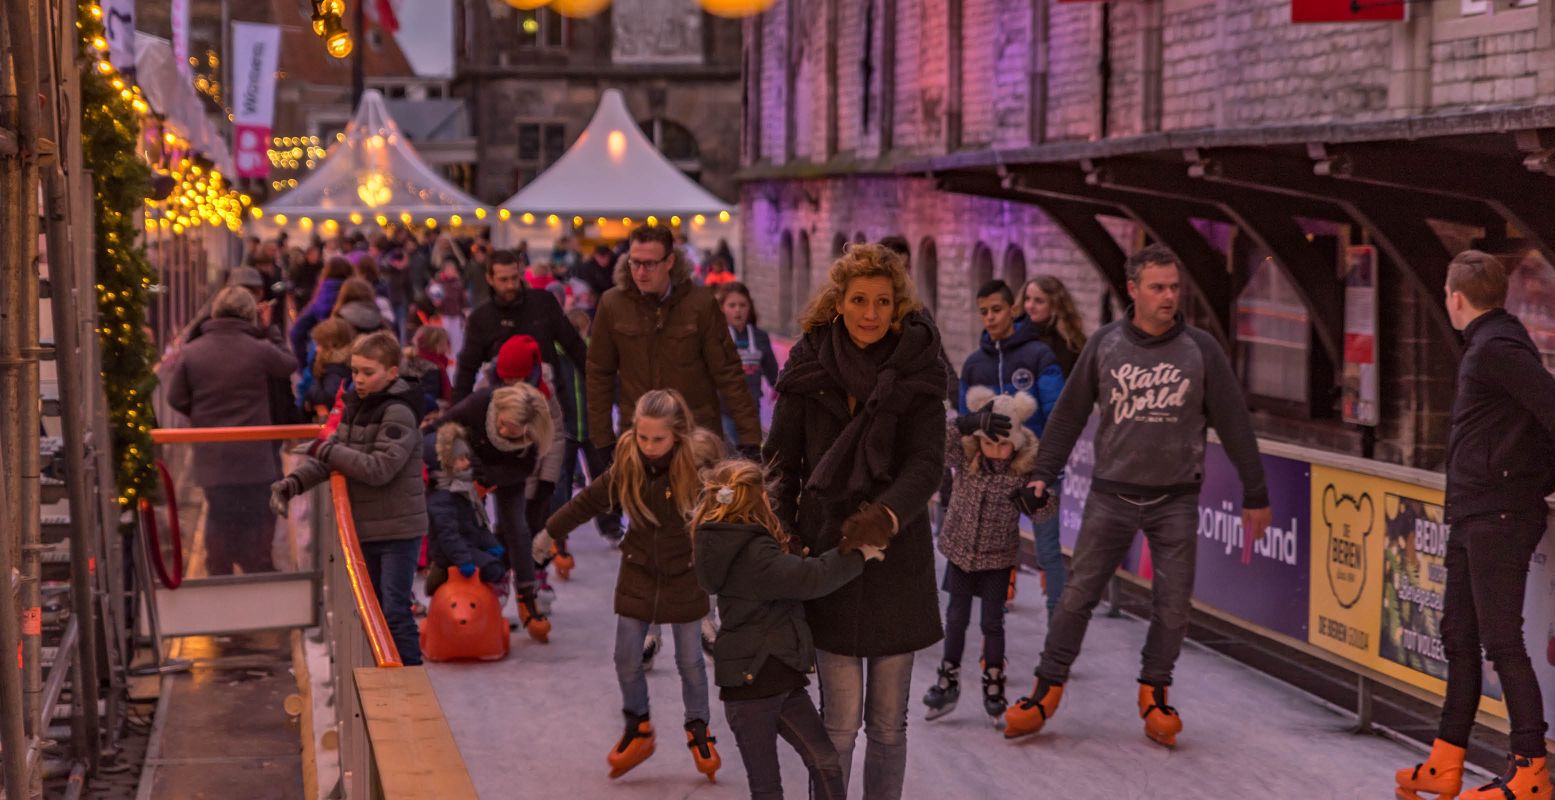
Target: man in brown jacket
{"x": 658, "y": 330}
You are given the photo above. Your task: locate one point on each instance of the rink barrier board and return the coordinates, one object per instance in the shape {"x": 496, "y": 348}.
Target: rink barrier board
{"x": 1405, "y": 528}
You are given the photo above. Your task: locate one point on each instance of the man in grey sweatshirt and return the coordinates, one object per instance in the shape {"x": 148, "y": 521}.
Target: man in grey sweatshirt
{"x": 1157, "y": 383}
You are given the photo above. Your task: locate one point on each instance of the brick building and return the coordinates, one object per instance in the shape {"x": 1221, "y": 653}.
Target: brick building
{"x": 534, "y": 78}
{"x": 1016, "y": 137}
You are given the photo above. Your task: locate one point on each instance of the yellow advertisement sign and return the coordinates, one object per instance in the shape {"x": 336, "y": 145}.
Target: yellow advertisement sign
{"x": 1378, "y": 574}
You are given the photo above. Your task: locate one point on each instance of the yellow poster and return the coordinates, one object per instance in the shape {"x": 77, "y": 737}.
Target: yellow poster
{"x": 1378, "y": 576}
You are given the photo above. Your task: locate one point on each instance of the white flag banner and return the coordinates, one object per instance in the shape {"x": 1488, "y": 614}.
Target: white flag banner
{"x": 256, "y": 51}
{"x": 119, "y": 30}
{"x": 180, "y": 19}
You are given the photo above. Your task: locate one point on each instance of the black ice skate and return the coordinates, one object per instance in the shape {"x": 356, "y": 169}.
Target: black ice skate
{"x": 941, "y": 698}
{"x": 994, "y": 703}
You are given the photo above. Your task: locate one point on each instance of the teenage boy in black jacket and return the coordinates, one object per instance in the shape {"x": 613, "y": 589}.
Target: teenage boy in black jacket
{"x": 1500, "y": 467}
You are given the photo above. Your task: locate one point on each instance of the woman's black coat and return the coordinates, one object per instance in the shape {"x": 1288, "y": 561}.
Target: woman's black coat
{"x": 893, "y": 607}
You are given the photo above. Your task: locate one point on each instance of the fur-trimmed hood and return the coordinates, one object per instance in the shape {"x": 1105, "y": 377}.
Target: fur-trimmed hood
{"x": 680, "y": 272}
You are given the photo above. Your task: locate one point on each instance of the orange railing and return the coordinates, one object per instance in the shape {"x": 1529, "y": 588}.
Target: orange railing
{"x": 385, "y": 654}
{"x": 374, "y": 626}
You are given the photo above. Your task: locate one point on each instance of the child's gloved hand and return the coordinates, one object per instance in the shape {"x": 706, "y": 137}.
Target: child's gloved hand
{"x": 872, "y": 553}
{"x": 316, "y": 449}
{"x": 540, "y": 551}
{"x": 497, "y": 552}
{"x": 281, "y": 493}
{"x": 467, "y": 569}
{"x": 1028, "y": 500}
{"x": 987, "y": 421}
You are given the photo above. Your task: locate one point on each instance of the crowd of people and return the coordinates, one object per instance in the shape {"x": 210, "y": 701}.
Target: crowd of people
{"x": 468, "y": 405}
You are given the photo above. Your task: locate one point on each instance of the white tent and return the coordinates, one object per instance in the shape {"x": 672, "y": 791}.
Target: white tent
{"x": 613, "y": 171}
{"x": 170, "y": 94}
{"x": 373, "y": 172}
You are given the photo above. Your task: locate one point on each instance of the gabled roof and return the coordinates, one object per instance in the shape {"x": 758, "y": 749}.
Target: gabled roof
{"x": 612, "y": 170}
{"x": 374, "y": 171}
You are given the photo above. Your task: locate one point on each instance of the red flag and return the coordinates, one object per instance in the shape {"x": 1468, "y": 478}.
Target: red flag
{"x": 1347, "y": 10}
{"x": 381, "y": 14}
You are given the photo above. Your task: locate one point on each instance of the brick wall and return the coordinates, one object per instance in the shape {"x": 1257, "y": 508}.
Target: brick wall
{"x": 980, "y": 20}
{"x": 1190, "y": 76}
{"x": 1484, "y": 71}
{"x": 1074, "y": 76}
{"x": 1011, "y": 62}
{"x": 774, "y": 81}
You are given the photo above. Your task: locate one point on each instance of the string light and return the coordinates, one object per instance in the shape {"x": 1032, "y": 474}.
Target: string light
{"x": 503, "y": 214}
{"x": 528, "y": 218}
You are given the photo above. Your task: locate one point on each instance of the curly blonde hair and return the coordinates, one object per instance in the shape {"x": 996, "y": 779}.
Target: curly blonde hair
{"x": 862, "y": 261}
{"x": 750, "y": 503}
{"x": 522, "y": 404}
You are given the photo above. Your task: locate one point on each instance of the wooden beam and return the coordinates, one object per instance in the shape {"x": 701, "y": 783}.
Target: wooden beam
{"x": 413, "y": 749}
{"x": 1268, "y": 222}
{"x": 7, "y": 142}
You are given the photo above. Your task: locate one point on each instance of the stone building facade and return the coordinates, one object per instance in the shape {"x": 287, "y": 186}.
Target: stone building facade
{"x": 858, "y": 110}
{"x": 534, "y": 78}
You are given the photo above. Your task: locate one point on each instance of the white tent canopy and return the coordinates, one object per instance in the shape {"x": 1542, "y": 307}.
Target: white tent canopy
{"x": 374, "y": 172}
{"x": 612, "y": 170}
{"x": 170, "y": 94}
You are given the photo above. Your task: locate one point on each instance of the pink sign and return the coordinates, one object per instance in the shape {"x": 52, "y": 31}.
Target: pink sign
{"x": 250, "y": 152}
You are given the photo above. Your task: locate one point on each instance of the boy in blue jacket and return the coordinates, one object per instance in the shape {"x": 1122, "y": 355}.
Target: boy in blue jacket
{"x": 1012, "y": 358}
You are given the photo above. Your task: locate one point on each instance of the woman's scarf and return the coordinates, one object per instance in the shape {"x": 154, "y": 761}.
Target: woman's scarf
{"x": 884, "y": 379}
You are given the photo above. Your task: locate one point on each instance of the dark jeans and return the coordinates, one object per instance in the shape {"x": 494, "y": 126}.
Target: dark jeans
{"x": 1487, "y": 570}
{"x": 1050, "y": 552}
{"x": 609, "y": 523}
{"x": 1170, "y": 525}
{"x": 757, "y": 724}
{"x": 988, "y": 586}
{"x": 239, "y": 528}
{"x": 391, "y": 566}
{"x": 513, "y": 531}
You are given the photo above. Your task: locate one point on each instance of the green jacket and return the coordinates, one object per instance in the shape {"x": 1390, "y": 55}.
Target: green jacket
{"x": 761, "y": 592}
{"x": 378, "y": 449}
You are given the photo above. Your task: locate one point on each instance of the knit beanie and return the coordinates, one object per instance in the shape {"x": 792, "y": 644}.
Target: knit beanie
{"x": 517, "y": 359}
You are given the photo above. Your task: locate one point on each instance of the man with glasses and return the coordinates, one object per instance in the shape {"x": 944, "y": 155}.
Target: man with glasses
{"x": 658, "y": 330}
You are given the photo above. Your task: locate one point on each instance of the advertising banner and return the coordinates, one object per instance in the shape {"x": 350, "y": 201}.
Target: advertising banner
{"x": 119, "y": 30}
{"x": 1358, "y": 391}
{"x": 179, "y": 12}
{"x": 255, "y": 53}
{"x": 1378, "y": 575}
{"x": 1262, "y": 582}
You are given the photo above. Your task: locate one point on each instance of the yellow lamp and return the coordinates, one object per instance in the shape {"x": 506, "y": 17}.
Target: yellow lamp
{"x": 431, "y": 223}
{"x": 503, "y": 214}
{"x": 306, "y": 223}
{"x": 652, "y": 220}
{"x": 405, "y": 217}
{"x": 627, "y": 221}
{"x": 675, "y": 221}
{"x": 577, "y": 222}
{"x": 528, "y": 218}
{"x": 456, "y": 220}
{"x": 698, "y": 219}
{"x": 600, "y": 222}
{"x": 480, "y": 213}
{"x": 723, "y": 216}
{"x": 280, "y": 219}
{"x": 339, "y": 44}
{"x": 257, "y": 212}
{"x": 333, "y": 7}
{"x": 734, "y": 9}
{"x": 381, "y": 220}
{"x": 553, "y": 220}
{"x": 527, "y": 5}
{"x": 356, "y": 217}
{"x": 579, "y": 9}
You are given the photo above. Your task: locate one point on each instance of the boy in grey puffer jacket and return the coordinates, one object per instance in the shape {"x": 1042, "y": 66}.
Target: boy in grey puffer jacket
{"x": 981, "y": 538}
{"x": 378, "y": 450}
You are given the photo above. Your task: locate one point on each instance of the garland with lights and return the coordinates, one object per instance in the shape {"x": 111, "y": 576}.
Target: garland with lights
{"x": 120, "y": 182}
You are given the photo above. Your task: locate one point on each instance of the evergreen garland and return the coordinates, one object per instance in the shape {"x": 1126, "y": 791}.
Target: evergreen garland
{"x": 121, "y": 180}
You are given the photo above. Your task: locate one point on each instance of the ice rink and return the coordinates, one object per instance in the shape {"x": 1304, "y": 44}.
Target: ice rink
{"x": 538, "y": 724}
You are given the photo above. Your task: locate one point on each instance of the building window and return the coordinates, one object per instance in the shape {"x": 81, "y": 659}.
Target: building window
{"x": 801, "y": 278}
{"x": 867, "y": 66}
{"x": 926, "y": 274}
{"x": 786, "y": 282}
{"x": 539, "y": 145}
{"x": 542, "y": 28}
{"x": 1473, "y": 7}
{"x": 676, "y": 143}
{"x": 1015, "y": 269}
{"x": 982, "y": 266}
{"x": 1273, "y": 335}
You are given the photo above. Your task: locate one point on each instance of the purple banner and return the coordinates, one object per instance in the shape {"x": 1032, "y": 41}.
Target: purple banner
{"x": 1264, "y": 583}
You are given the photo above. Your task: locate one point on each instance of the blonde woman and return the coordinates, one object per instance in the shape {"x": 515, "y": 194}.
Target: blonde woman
{"x": 858, "y": 444}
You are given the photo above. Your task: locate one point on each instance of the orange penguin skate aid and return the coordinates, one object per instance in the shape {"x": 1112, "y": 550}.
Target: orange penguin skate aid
{"x": 464, "y": 621}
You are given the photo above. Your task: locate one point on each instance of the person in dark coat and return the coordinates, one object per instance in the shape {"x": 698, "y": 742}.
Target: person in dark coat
{"x": 222, "y": 380}
{"x": 757, "y": 358}
{"x": 1500, "y": 452}
{"x": 461, "y": 536}
{"x": 858, "y": 442}
{"x": 598, "y": 272}
{"x": 336, "y": 272}
{"x": 654, "y": 478}
{"x": 764, "y": 650}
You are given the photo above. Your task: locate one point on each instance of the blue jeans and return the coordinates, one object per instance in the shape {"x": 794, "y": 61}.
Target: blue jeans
{"x": 391, "y": 566}
{"x": 878, "y": 705}
{"x": 1050, "y": 554}
{"x": 688, "y": 660}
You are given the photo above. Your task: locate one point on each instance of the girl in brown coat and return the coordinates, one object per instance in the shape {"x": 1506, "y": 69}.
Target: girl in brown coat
{"x": 655, "y": 480}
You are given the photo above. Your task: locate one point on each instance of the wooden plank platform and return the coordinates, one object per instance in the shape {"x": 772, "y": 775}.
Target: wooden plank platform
{"x": 412, "y": 744}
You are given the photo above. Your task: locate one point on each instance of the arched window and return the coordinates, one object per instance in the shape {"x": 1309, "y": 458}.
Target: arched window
{"x": 982, "y": 266}
{"x": 802, "y": 276}
{"x": 677, "y": 144}
{"x": 786, "y": 282}
{"x": 1015, "y": 268}
{"x": 839, "y": 243}
{"x": 859, "y": 238}
{"x": 926, "y": 275}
